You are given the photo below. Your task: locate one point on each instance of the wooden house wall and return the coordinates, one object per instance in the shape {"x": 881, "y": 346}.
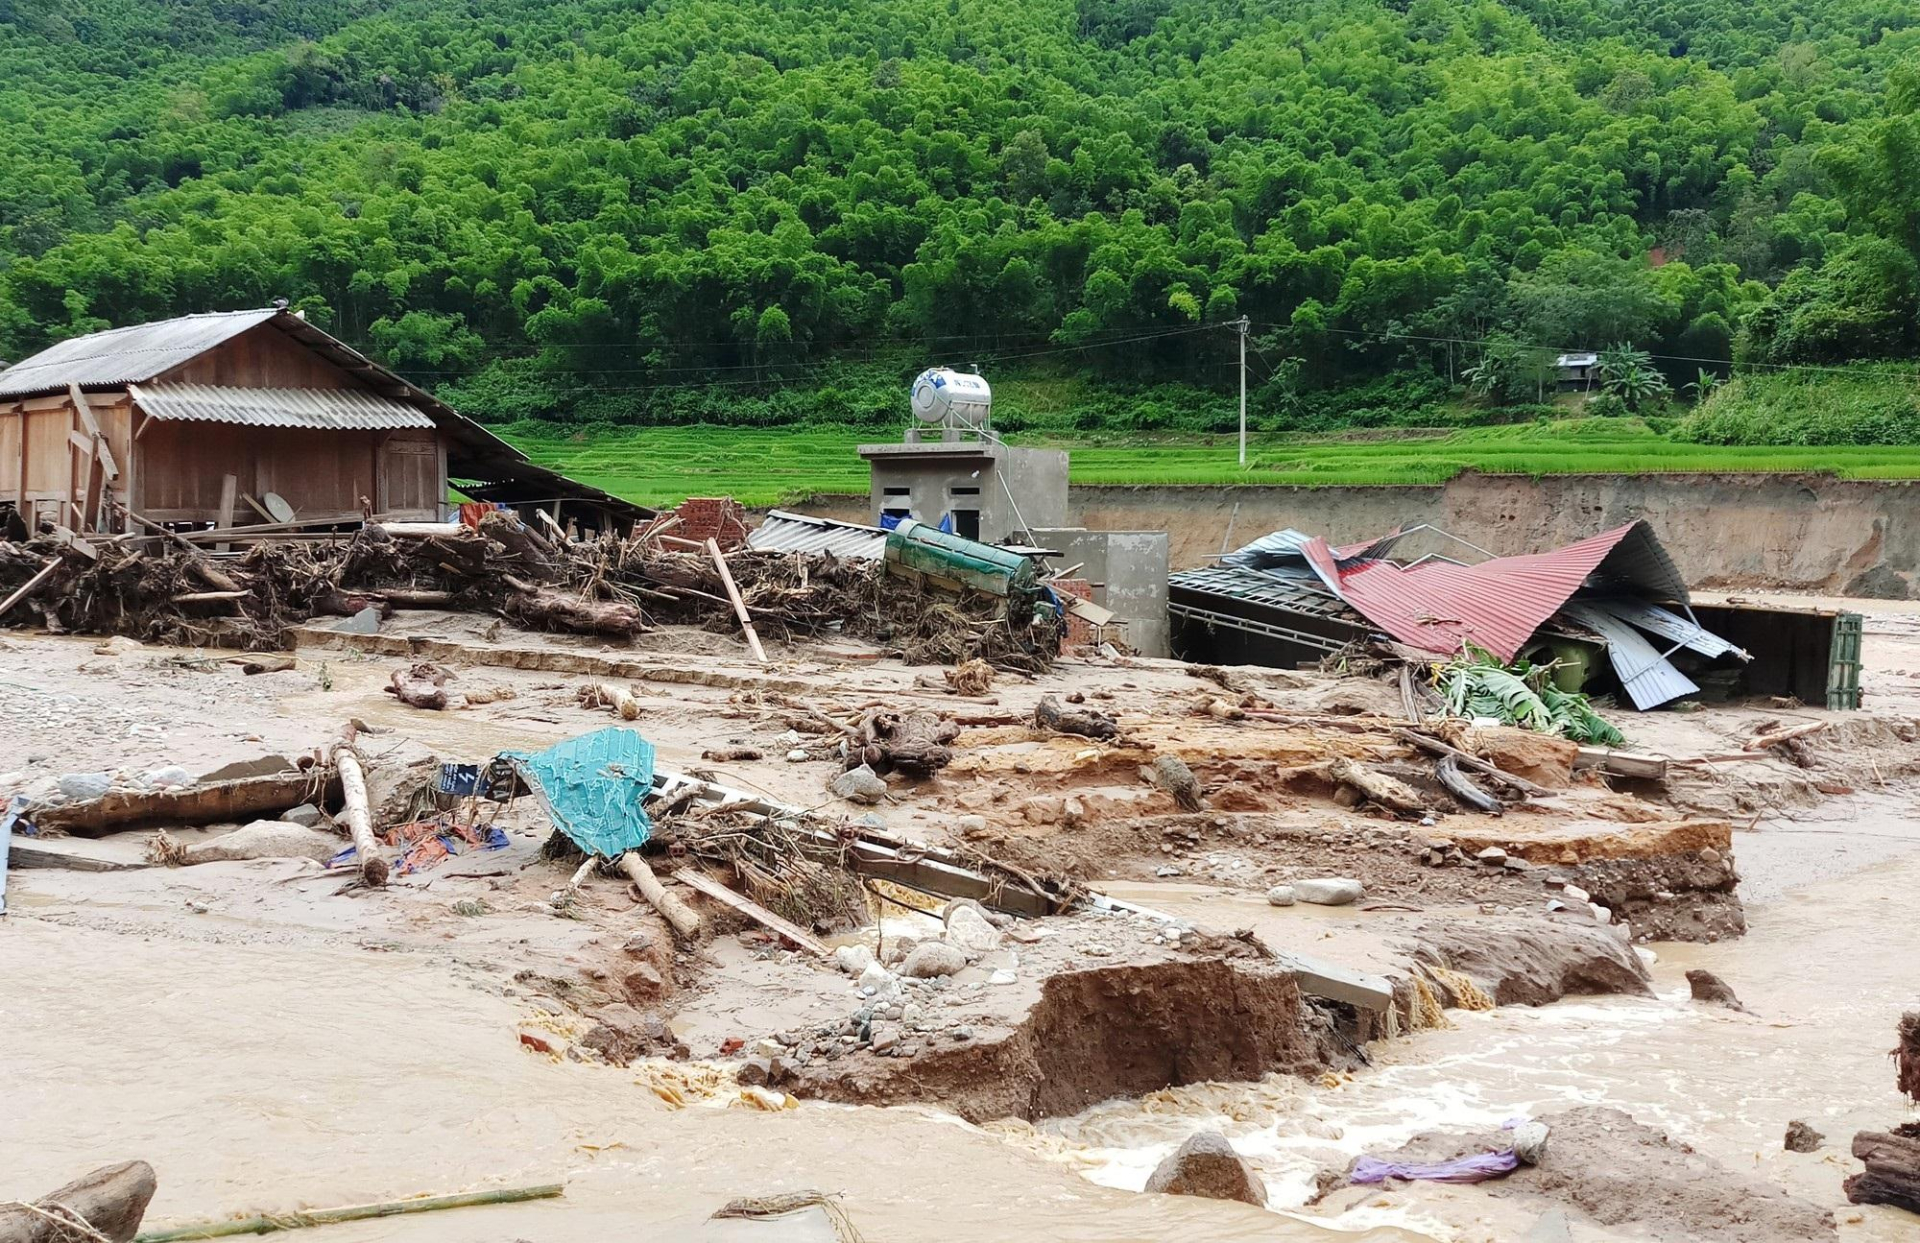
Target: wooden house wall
{"x": 39, "y": 466}
{"x": 183, "y": 467}
{"x": 262, "y": 357}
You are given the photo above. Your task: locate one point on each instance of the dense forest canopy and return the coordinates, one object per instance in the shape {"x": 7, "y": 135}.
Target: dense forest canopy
{"x": 550, "y": 208}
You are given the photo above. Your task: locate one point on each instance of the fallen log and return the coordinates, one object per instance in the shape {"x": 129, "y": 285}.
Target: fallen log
{"x": 424, "y": 530}
{"x": 559, "y": 610}
{"x": 420, "y": 686}
{"x": 1892, "y": 1175}
{"x": 1761, "y": 742}
{"x": 1093, "y": 723}
{"x": 607, "y": 695}
{"x": 207, "y": 597}
{"x": 677, "y": 913}
{"x": 1388, "y": 793}
{"x": 1456, "y": 783}
{"x": 196, "y": 559}
{"x": 356, "y": 816}
{"x": 106, "y": 1204}
{"x": 1426, "y": 742}
{"x": 1906, "y": 1055}
{"x": 414, "y": 598}
{"x": 914, "y": 743}
{"x": 267, "y": 1223}
{"x": 209, "y": 802}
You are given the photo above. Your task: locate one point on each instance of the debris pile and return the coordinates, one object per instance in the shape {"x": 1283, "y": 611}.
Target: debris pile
{"x": 159, "y": 585}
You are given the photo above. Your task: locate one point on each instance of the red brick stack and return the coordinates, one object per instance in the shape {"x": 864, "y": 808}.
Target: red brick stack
{"x": 718, "y": 518}
{"x": 1079, "y": 633}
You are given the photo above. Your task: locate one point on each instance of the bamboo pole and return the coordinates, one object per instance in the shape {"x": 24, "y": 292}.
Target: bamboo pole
{"x": 739, "y": 605}
{"x": 353, "y": 790}
{"x": 267, "y": 1223}
{"x": 672, "y": 909}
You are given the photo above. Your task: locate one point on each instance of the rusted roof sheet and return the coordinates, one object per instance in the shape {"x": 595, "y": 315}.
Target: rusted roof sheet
{"x": 790, "y": 532}
{"x": 318, "y": 409}
{"x": 126, "y": 355}
{"x": 1437, "y": 606}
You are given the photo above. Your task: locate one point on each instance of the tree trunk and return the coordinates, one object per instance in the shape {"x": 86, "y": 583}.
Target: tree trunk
{"x": 1089, "y": 724}
{"x": 1892, "y": 1175}
{"x": 111, "y": 1200}
{"x": 555, "y": 610}
{"x": 358, "y": 819}
{"x": 685, "y": 922}
{"x": 914, "y": 743}
{"x": 1387, "y": 793}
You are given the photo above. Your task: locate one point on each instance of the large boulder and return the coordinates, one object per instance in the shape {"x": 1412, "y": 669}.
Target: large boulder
{"x": 933, "y": 958}
{"x": 1329, "y": 890}
{"x": 1207, "y": 1165}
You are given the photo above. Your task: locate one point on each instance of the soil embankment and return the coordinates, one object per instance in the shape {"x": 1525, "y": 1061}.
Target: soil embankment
{"x": 1812, "y": 533}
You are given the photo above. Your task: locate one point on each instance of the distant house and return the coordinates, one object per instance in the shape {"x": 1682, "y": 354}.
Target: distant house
{"x": 197, "y": 420}
{"x": 1576, "y": 373}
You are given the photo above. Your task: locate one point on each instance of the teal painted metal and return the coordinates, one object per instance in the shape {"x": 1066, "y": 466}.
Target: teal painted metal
{"x": 1843, "y": 666}
{"x": 916, "y": 548}
{"x": 592, "y": 787}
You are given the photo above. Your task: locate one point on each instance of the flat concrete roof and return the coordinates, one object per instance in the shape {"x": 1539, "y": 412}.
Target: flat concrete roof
{"x": 975, "y": 449}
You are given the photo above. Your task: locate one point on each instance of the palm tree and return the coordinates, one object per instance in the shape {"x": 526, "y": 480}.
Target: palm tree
{"x": 1630, "y": 375}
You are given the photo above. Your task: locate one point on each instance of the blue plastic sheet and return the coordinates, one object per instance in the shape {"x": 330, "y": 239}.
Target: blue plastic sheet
{"x": 592, "y": 787}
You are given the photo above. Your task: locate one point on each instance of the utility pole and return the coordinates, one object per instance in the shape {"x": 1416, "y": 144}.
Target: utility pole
{"x": 1243, "y": 325}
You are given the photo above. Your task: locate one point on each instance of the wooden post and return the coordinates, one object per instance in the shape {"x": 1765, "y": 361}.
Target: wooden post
{"x": 739, "y": 605}
{"x": 229, "y": 495}
{"x": 103, "y": 471}
{"x": 353, "y": 791}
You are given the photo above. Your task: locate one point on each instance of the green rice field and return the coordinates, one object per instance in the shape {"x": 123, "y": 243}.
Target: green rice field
{"x": 767, "y": 466}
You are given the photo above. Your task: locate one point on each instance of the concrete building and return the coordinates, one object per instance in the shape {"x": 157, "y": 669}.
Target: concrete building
{"x": 1128, "y": 572}
{"x": 993, "y": 491}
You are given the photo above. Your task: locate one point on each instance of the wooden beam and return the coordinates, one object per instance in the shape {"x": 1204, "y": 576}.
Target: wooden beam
{"x": 751, "y": 909}
{"x": 30, "y": 586}
{"x": 80, "y": 442}
{"x": 92, "y": 427}
{"x": 1622, "y": 763}
{"x": 229, "y": 491}
{"x": 146, "y": 421}
{"x": 739, "y": 605}
{"x": 68, "y": 539}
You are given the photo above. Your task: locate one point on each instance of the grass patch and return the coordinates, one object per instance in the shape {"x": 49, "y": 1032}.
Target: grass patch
{"x": 766, "y": 466}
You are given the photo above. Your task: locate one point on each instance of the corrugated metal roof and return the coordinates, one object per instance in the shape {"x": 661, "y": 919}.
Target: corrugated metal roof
{"x": 1671, "y": 626}
{"x": 126, "y": 355}
{"x": 1437, "y": 606}
{"x": 319, "y": 409}
{"x": 1649, "y": 678}
{"x": 1297, "y": 592}
{"x": 789, "y": 532}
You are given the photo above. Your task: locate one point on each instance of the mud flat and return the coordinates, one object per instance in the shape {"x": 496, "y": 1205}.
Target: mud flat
{"x": 1207, "y": 983}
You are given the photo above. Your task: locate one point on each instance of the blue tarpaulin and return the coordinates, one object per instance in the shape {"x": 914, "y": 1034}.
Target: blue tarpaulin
{"x": 592, "y": 787}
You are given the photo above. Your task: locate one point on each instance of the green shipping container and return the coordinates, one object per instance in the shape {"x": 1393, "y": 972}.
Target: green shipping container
{"x": 916, "y": 549}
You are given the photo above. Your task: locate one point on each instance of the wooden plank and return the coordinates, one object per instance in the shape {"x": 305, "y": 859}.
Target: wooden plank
{"x": 65, "y": 537}
{"x": 80, "y": 442}
{"x": 30, "y": 586}
{"x": 751, "y": 909}
{"x": 739, "y": 605}
{"x": 1089, "y": 612}
{"x": 1622, "y": 763}
{"x": 229, "y": 491}
{"x": 91, "y": 425}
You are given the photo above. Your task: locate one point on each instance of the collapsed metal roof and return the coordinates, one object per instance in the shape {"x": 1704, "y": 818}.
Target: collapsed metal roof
{"x": 783, "y": 531}
{"x": 1609, "y": 586}
{"x": 1498, "y": 604}
{"x": 320, "y": 409}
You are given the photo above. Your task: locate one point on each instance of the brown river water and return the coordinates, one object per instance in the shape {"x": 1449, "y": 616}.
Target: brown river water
{"x": 259, "y": 1077}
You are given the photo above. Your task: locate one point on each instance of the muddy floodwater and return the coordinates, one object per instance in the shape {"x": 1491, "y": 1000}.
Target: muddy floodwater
{"x": 259, "y": 1077}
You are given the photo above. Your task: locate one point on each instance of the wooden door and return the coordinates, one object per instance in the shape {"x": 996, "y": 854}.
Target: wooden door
{"x": 412, "y": 478}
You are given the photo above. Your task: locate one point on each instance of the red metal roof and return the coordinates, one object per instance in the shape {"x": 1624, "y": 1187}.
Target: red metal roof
{"x": 1496, "y": 605}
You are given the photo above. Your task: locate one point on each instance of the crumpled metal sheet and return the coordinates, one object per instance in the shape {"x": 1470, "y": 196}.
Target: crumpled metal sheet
{"x": 592, "y": 787}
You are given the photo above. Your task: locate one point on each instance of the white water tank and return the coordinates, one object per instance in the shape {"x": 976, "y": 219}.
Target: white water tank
{"x": 951, "y": 398}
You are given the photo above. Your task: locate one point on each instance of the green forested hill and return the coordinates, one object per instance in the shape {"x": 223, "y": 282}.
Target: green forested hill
{"x": 582, "y": 209}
